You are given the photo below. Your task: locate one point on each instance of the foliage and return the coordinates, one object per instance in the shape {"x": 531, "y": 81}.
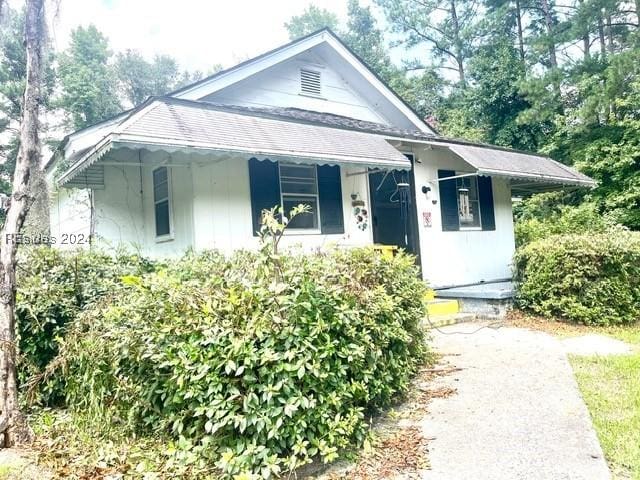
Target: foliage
{"x": 140, "y": 79}
{"x": 12, "y": 84}
{"x": 260, "y": 362}
{"x": 53, "y": 288}
{"x": 591, "y": 279}
{"x": 312, "y": 19}
{"x": 89, "y": 88}
{"x": 582, "y": 219}
{"x": 447, "y": 28}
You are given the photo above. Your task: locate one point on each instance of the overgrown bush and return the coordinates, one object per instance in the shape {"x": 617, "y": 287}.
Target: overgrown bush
{"x": 589, "y": 279}
{"x": 53, "y": 287}
{"x": 257, "y": 363}
{"x": 560, "y": 220}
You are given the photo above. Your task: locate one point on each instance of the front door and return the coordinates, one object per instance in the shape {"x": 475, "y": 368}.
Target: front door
{"x": 393, "y": 209}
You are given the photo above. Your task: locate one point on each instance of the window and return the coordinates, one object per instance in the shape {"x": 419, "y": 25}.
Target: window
{"x": 468, "y": 202}
{"x": 299, "y": 184}
{"x": 161, "y": 201}
{"x": 310, "y": 83}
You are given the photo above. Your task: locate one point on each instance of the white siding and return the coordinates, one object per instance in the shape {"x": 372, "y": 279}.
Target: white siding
{"x": 461, "y": 257}
{"x": 118, "y": 208}
{"x": 279, "y": 86}
{"x": 211, "y": 209}
{"x": 70, "y": 214}
{"x": 222, "y": 209}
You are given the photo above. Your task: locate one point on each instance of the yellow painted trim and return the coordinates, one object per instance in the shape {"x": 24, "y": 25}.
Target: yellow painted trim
{"x": 442, "y": 307}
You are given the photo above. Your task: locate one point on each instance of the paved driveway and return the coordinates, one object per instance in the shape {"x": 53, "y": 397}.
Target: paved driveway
{"x": 518, "y": 413}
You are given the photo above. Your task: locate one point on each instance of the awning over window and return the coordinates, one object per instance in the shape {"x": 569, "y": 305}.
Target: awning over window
{"x": 528, "y": 173}
{"x": 175, "y": 125}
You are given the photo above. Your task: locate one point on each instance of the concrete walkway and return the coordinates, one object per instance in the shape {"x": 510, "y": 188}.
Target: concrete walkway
{"x": 518, "y": 413}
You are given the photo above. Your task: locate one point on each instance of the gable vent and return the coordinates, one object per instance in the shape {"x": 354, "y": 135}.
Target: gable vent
{"x": 310, "y": 82}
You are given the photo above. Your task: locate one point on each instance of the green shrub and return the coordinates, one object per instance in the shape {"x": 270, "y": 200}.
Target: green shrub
{"x": 53, "y": 287}
{"x": 581, "y": 219}
{"x": 589, "y": 279}
{"x": 257, "y": 363}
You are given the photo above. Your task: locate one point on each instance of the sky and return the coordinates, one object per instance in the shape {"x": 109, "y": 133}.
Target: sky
{"x": 197, "y": 33}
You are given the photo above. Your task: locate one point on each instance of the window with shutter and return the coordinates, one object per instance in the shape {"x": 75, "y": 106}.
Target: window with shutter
{"x": 466, "y": 203}
{"x": 292, "y": 184}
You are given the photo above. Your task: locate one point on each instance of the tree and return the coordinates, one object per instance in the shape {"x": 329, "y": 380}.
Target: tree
{"x": 311, "y": 20}
{"x": 87, "y": 79}
{"x": 13, "y": 425}
{"x": 448, "y": 27}
{"x": 140, "y": 79}
{"x": 365, "y": 38}
{"x": 13, "y": 66}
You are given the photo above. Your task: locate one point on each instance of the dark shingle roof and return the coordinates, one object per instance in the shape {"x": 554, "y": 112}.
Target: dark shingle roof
{"x": 328, "y": 119}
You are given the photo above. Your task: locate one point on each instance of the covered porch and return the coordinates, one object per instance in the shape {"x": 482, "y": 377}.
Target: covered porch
{"x": 178, "y": 175}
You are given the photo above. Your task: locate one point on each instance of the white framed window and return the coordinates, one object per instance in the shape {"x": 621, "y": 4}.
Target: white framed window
{"x": 468, "y": 203}
{"x": 162, "y": 203}
{"x": 299, "y": 185}
{"x": 310, "y": 82}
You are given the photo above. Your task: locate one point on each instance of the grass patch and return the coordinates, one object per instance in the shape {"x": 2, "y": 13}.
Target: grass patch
{"x": 611, "y": 389}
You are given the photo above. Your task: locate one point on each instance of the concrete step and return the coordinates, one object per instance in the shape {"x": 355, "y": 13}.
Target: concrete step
{"x": 442, "y": 306}
{"x": 444, "y": 320}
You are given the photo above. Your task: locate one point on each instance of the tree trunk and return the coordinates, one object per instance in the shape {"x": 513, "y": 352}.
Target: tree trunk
{"x": 550, "y": 23}
{"x": 603, "y": 46}
{"x": 520, "y": 34}
{"x": 13, "y": 426}
{"x": 586, "y": 39}
{"x": 610, "y": 35}
{"x": 458, "y": 44}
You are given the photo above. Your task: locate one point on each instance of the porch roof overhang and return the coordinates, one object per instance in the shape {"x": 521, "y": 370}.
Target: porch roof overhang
{"x": 173, "y": 125}
{"x": 527, "y": 172}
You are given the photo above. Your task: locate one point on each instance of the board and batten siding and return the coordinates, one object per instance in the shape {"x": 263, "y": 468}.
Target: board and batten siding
{"x": 463, "y": 256}
{"x": 279, "y": 86}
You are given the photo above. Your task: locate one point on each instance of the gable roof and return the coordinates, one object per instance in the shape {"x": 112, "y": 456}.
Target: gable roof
{"x": 233, "y": 75}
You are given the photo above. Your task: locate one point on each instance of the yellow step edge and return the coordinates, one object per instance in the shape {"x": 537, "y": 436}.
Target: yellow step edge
{"x": 442, "y": 307}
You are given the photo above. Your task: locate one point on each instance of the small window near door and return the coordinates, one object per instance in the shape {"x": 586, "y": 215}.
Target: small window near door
{"x": 468, "y": 202}
{"x": 161, "y": 200}
{"x": 299, "y": 185}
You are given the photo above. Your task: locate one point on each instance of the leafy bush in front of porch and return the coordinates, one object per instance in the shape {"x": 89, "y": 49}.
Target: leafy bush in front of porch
{"x": 590, "y": 279}
{"x": 258, "y": 363}
{"x": 54, "y": 286}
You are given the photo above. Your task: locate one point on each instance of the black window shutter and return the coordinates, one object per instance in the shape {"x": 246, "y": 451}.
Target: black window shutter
{"x": 485, "y": 196}
{"x": 330, "y": 193}
{"x": 264, "y": 184}
{"x": 448, "y": 202}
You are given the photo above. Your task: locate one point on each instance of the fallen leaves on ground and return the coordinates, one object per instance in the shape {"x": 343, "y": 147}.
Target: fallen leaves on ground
{"x": 401, "y": 453}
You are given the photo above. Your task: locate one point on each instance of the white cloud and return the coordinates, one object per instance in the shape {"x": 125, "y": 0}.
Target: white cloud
{"x": 198, "y": 33}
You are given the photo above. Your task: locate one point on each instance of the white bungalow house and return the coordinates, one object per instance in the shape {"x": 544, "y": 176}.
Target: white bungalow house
{"x": 309, "y": 123}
